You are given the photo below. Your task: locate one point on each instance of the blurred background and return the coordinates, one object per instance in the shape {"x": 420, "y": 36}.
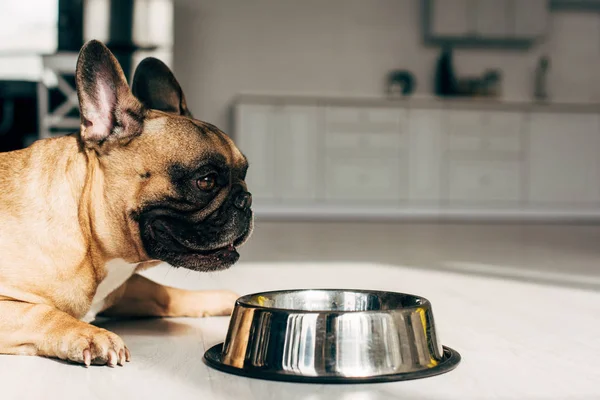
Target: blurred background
{"x": 453, "y": 134}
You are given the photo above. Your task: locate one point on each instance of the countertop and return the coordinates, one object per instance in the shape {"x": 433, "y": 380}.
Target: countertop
{"x": 419, "y": 102}
{"x": 518, "y": 340}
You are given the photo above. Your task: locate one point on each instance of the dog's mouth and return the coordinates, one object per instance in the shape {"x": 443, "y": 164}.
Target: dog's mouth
{"x": 165, "y": 235}
{"x": 208, "y": 245}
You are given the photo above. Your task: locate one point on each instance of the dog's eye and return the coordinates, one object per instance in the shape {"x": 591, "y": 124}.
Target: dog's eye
{"x": 207, "y": 183}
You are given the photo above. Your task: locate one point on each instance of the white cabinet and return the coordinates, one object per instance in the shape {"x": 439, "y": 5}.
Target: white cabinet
{"x": 450, "y": 17}
{"x": 280, "y": 143}
{"x": 479, "y": 181}
{"x": 425, "y": 156}
{"x": 493, "y": 18}
{"x": 458, "y": 123}
{"x": 564, "y": 159}
{"x": 365, "y": 154}
{"x": 296, "y": 153}
{"x": 365, "y": 131}
{"x": 484, "y": 160}
{"x": 439, "y": 159}
{"x": 495, "y": 132}
{"x": 349, "y": 180}
{"x": 503, "y": 22}
{"x": 256, "y": 127}
{"x": 503, "y": 132}
{"x": 531, "y": 18}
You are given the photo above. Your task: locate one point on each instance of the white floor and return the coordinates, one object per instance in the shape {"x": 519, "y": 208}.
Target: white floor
{"x": 552, "y": 253}
{"x": 518, "y": 340}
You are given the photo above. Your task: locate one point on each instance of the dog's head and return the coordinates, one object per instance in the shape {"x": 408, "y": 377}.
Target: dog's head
{"x": 173, "y": 186}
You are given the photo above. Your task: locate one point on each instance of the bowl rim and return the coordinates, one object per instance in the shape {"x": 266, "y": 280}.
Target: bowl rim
{"x": 212, "y": 357}
{"x": 243, "y": 301}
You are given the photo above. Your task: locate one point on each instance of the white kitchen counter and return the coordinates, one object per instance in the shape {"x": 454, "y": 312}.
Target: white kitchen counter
{"x": 325, "y": 158}
{"x": 518, "y": 341}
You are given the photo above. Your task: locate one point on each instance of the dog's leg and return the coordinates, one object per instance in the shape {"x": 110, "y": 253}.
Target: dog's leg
{"x": 39, "y": 329}
{"x": 145, "y": 298}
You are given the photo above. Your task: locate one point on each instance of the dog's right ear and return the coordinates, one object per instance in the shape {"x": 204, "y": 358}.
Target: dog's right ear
{"x": 109, "y": 111}
{"x": 156, "y": 87}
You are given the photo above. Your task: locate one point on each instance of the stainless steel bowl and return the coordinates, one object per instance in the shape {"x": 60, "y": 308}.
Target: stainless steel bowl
{"x": 332, "y": 336}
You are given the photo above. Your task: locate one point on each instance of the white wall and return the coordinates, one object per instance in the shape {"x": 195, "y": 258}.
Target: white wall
{"x": 345, "y": 47}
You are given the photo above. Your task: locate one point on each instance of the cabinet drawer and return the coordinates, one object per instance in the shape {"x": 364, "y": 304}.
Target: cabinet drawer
{"x": 364, "y": 179}
{"x": 365, "y": 142}
{"x": 297, "y": 154}
{"x": 360, "y": 115}
{"x": 503, "y": 131}
{"x": 354, "y": 119}
{"x": 463, "y": 123}
{"x": 501, "y": 123}
{"x": 365, "y": 129}
{"x": 485, "y": 142}
{"x": 465, "y": 142}
{"x": 389, "y": 116}
{"x": 484, "y": 131}
{"x": 477, "y": 181}
{"x": 255, "y": 137}
{"x": 502, "y": 143}
{"x": 344, "y": 115}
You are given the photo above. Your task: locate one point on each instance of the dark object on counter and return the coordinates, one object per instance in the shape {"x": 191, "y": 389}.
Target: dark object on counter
{"x": 541, "y": 79}
{"x": 488, "y": 85}
{"x": 468, "y": 86}
{"x": 447, "y": 84}
{"x": 491, "y": 83}
{"x": 400, "y": 83}
{"x": 445, "y": 78}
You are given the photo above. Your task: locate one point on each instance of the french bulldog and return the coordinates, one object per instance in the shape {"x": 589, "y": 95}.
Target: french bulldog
{"x": 142, "y": 182}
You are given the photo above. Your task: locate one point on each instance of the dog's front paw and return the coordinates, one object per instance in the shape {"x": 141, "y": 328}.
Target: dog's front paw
{"x": 206, "y": 303}
{"x": 92, "y": 345}
{"x": 220, "y": 302}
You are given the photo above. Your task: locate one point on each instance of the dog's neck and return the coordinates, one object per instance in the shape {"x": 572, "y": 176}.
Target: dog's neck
{"x": 67, "y": 169}
{"x": 104, "y": 221}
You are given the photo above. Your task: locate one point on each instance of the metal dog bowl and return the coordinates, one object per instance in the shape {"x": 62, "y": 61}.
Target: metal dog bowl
{"x": 332, "y": 336}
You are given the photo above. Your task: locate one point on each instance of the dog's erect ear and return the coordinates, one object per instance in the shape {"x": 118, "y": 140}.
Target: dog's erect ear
{"x": 156, "y": 87}
{"x": 109, "y": 111}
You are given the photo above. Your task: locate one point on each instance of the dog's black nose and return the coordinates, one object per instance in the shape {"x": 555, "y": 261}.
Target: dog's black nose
{"x": 243, "y": 201}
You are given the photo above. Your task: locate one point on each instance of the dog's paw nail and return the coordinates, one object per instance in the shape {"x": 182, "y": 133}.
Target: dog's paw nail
{"x": 89, "y": 345}
{"x": 87, "y": 357}
{"x": 112, "y": 358}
